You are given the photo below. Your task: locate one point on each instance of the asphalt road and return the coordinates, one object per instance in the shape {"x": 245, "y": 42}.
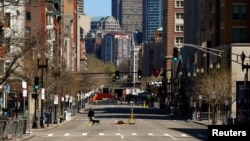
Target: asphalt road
{"x": 147, "y": 124}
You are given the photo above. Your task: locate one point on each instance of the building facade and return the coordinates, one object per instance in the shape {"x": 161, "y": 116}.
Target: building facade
{"x": 152, "y": 54}
{"x": 129, "y": 14}
{"x": 152, "y": 18}
{"x": 115, "y": 49}
{"x": 173, "y": 33}
{"x": 219, "y": 25}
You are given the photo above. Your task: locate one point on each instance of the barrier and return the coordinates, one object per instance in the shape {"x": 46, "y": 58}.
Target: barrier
{"x": 2, "y": 129}
{"x": 11, "y": 129}
{"x": 20, "y": 128}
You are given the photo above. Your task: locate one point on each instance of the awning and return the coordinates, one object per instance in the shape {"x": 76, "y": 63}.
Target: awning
{"x": 101, "y": 96}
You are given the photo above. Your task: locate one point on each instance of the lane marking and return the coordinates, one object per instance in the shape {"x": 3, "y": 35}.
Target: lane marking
{"x": 84, "y": 134}
{"x": 101, "y": 134}
{"x": 134, "y": 134}
{"x": 150, "y": 134}
{"x": 184, "y": 135}
{"x": 117, "y": 134}
{"x": 66, "y": 134}
{"x": 170, "y": 136}
{"x": 49, "y": 135}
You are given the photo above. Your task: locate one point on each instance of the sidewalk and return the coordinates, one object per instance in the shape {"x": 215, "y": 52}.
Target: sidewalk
{"x": 30, "y": 133}
{"x": 206, "y": 122}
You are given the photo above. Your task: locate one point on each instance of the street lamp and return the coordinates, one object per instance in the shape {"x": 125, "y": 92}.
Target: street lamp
{"x": 193, "y": 103}
{"x": 79, "y": 102}
{"x": 243, "y": 57}
{"x": 42, "y": 66}
{"x": 56, "y": 74}
{"x": 226, "y": 110}
{"x": 62, "y": 107}
{"x": 214, "y": 119}
{"x": 200, "y": 72}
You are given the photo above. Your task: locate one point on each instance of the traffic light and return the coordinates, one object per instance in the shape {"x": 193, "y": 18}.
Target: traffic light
{"x": 139, "y": 74}
{"x": 175, "y": 54}
{"x": 117, "y": 74}
{"x": 36, "y": 83}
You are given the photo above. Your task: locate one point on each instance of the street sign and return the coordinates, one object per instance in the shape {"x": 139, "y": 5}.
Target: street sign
{"x": 24, "y": 93}
{"x": 42, "y": 93}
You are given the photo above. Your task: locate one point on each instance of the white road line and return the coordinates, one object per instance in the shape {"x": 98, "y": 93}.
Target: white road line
{"x": 134, "y": 134}
{"x": 170, "y": 136}
{"x": 122, "y": 137}
{"x": 117, "y": 134}
{"x": 184, "y": 135}
{"x": 150, "y": 134}
{"x": 84, "y": 134}
{"x": 49, "y": 135}
{"x": 101, "y": 134}
{"x": 66, "y": 134}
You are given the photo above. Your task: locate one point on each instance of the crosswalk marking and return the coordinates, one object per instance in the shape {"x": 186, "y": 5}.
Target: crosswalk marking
{"x": 183, "y": 135}
{"x": 49, "y": 135}
{"x": 170, "y": 136}
{"x": 122, "y": 135}
{"x": 84, "y": 134}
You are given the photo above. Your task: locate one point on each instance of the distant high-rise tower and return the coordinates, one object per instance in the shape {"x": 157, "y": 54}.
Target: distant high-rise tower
{"x": 129, "y": 14}
{"x": 152, "y": 17}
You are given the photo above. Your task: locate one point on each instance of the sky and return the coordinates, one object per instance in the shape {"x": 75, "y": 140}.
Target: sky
{"x": 95, "y": 8}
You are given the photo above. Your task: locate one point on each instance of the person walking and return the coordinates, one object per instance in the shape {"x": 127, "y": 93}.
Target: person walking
{"x": 91, "y": 114}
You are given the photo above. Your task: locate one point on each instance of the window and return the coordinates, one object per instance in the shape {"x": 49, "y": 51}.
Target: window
{"x": 28, "y": 30}
{"x": 179, "y": 40}
{"x": 7, "y": 16}
{"x": 179, "y": 4}
{"x": 179, "y": 16}
{"x": 81, "y": 32}
{"x": 66, "y": 28}
{"x": 239, "y": 35}
{"x": 239, "y": 12}
{"x": 179, "y": 28}
{"x": 28, "y": 16}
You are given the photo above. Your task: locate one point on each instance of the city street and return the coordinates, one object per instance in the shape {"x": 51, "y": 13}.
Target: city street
{"x": 148, "y": 124}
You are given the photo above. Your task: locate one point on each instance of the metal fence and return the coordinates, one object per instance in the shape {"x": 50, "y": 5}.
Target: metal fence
{"x": 12, "y": 129}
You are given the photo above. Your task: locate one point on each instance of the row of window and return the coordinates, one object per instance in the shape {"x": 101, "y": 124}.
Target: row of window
{"x": 179, "y": 3}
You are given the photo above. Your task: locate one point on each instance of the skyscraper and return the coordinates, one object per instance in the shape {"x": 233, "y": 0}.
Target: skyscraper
{"x": 129, "y": 14}
{"x": 152, "y": 17}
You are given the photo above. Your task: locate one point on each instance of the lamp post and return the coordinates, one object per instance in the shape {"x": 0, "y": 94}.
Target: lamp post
{"x": 78, "y": 102}
{"x": 56, "y": 74}
{"x": 34, "y": 125}
{"x": 200, "y": 72}
{"x": 193, "y": 103}
{"x": 62, "y": 107}
{"x": 246, "y": 66}
{"x": 226, "y": 110}
{"x": 214, "y": 119}
{"x": 55, "y": 104}
{"x": 42, "y": 66}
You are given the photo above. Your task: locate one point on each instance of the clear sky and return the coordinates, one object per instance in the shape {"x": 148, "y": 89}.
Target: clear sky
{"x": 95, "y": 8}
